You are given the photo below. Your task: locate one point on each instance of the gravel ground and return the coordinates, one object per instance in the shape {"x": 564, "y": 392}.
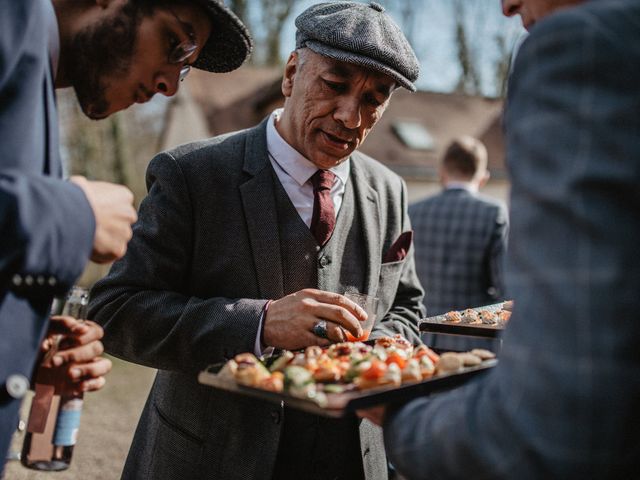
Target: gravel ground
{"x": 109, "y": 419}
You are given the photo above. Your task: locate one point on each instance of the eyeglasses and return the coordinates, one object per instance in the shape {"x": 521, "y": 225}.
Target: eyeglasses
{"x": 181, "y": 52}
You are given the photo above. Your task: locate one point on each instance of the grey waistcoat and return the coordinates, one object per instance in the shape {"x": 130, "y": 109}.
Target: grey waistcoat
{"x": 310, "y": 446}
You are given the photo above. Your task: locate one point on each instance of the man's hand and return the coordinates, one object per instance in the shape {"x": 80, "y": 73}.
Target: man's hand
{"x": 374, "y": 414}
{"x": 79, "y": 353}
{"x": 113, "y": 210}
{"x": 290, "y": 320}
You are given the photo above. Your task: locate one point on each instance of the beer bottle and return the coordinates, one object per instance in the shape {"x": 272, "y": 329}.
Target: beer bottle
{"x": 54, "y": 418}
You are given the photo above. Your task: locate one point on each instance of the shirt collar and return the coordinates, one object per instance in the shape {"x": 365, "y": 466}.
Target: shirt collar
{"x": 294, "y": 163}
{"x": 457, "y": 185}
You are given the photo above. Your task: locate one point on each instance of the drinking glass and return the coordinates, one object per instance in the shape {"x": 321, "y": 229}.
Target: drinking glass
{"x": 369, "y": 304}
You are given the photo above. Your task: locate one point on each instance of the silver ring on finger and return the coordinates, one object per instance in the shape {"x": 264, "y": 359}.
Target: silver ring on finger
{"x": 320, "y": 329}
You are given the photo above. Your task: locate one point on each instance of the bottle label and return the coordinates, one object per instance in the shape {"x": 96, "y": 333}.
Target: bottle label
{"x": 68, "y": 423}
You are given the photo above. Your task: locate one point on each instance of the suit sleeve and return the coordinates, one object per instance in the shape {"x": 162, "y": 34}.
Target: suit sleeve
{"x": 46, "y": 224}
{"x": 572, "y": 271}
{"x": 407, "y": 308}
{"x": 144, "y": 305}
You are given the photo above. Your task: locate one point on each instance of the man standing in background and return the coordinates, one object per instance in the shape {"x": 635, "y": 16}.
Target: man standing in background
{"x": 113, "y": 53}
{"x": 460, "y": 236}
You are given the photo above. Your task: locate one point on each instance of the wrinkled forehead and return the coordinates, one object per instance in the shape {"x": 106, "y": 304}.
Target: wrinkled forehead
{"x": 348, "y": 71}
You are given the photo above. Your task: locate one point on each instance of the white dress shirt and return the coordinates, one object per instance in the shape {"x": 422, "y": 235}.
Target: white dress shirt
{"x": 458, "y": 185}
{"x": 294, "y": 172}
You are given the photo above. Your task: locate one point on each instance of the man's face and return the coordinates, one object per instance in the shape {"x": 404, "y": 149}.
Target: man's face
{"x": 330, "y": 106}
{"x": 531, "y": 11}
{"x": 125, "y": 58}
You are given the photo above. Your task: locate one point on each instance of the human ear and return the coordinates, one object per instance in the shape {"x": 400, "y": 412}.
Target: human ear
{"x": 485, "y": 178}
{"x": 290, "y": 70}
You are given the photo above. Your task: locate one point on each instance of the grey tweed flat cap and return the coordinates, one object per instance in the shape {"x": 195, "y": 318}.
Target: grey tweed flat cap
{"x": 359, "y": 33}
{"x": 230, "y": 42}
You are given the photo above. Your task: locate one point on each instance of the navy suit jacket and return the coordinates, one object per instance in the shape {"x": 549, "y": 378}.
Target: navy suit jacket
{"x": 46, "y": 224}
{"x": 460, "y": 241}
{"x": 563, "y": 401}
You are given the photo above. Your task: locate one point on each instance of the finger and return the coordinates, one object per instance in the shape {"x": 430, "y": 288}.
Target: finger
{"x": 91, "y": 385}
{"x": 80, "y": 354}
{"x": 340, "y": 316}
{"x": 99, "y": 367}
{"x": 335, "y": 333}
{"x": 340, "y": 301}
{"x": 309, "y": 339}
{"x": 375, "y": 414}
{"x": 92, "y": 332}
{"x": 66, "y": 325}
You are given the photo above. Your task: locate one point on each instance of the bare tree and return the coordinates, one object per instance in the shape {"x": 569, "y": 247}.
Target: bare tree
{"x": 274, "y": 15}
{"x": 119, "y": 145}
{"x": 502, "y": 64}
{"x": 239, "y": 7}
{"x": 408, "y": 12}
{"x": 469, "y": 81}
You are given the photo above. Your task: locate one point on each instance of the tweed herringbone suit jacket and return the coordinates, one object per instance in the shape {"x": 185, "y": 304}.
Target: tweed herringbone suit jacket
{"x": 205, "y": 255}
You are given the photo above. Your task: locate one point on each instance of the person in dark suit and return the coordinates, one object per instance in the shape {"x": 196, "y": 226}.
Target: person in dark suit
{"x": 228, "y": 257}
{"x": 460, "y": 236}
{"x": 563, "y": 400}
{"x": 113, "y": 54}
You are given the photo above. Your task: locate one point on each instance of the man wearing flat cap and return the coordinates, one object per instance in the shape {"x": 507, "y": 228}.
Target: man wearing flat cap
{"x": 247, "y": 241}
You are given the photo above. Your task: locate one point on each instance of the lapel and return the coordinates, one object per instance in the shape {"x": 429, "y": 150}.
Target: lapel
{"x": 368, "y": 206}
{"x": 52, "y": 162}
{"x": 258, "y": 201}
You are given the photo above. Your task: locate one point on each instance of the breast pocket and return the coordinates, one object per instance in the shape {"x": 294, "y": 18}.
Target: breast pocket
{"x": 388, "y": 284}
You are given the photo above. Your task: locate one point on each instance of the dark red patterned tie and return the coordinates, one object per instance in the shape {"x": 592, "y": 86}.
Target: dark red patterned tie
{"x": 323, "y": 220}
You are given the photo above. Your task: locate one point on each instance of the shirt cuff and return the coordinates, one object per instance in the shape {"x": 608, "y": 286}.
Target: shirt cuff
{"x": 259, "y": 348}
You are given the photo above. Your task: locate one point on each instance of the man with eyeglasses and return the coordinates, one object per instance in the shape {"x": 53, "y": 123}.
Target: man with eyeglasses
{"x": 113, "y": 53}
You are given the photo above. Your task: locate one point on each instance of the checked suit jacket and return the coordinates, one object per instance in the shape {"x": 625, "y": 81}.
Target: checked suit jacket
{"x": 205, "y": 255}
{"x": 460, "y": 240}
{"x": 563, "y": 400}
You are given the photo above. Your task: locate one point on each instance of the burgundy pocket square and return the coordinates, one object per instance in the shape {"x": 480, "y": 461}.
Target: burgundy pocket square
{"x": 400, "y": 248}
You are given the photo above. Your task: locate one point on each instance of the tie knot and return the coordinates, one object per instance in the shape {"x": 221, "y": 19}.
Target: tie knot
{"x": 322, "y": 180}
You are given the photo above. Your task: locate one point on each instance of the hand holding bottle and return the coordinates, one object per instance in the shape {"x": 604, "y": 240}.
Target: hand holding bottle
{"x": 78, "y": 353}
{"x": 71, "y": 365}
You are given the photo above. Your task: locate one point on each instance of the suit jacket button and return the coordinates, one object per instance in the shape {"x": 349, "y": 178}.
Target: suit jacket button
{"x": 52, "y": 281}
{"x": 17, "y": 385}
{"x": 40, "y": 280}
{"x": 28, "y": 280}
{"x": 16, "y": 280}
{"x": 275, "y": 416}
{"x": 324, "y": 261}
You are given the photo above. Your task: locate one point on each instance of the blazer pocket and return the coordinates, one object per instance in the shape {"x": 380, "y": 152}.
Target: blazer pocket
{"x": 390, "y": 273}
{"x": 177, "y": 452}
